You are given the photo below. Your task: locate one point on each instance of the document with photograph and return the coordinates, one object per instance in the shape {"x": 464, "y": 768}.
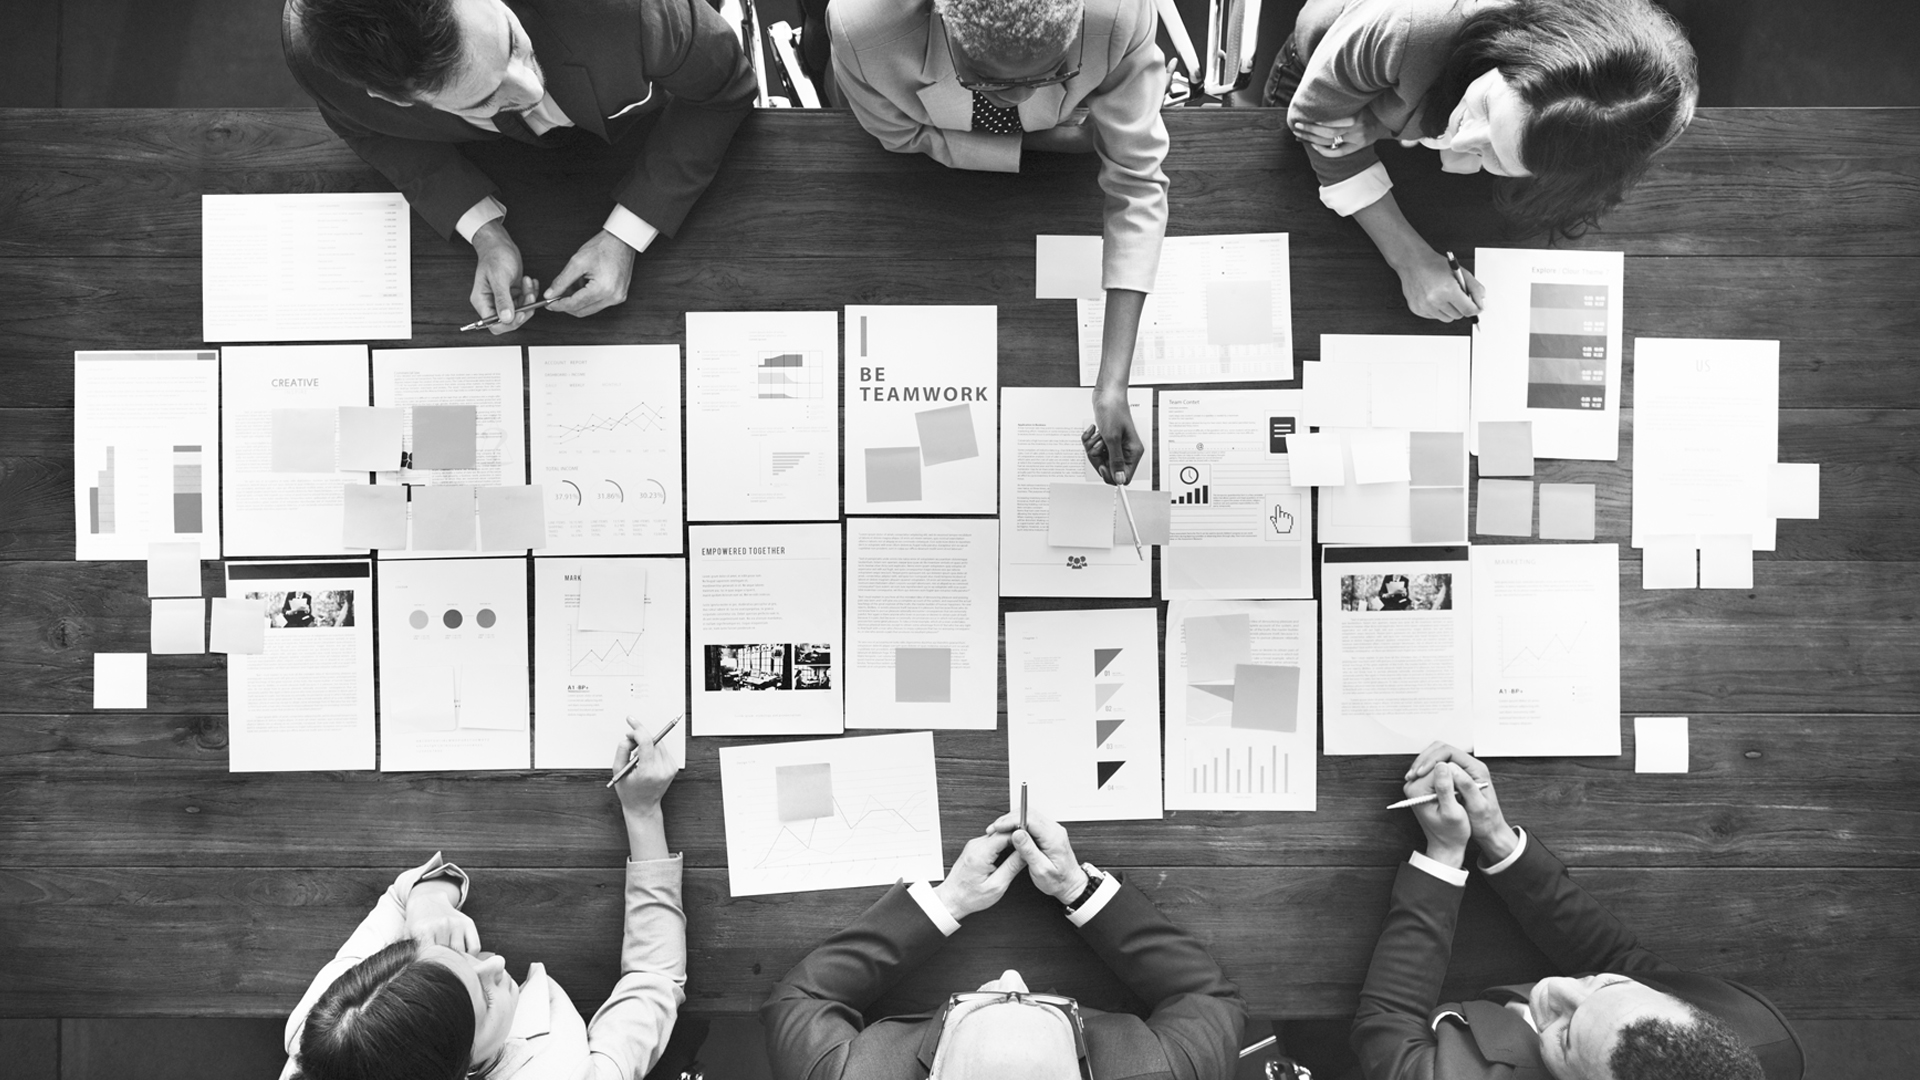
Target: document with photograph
{"x": 922, "y": 633}
{"x": 1240, "y": 528}
{"x": 1546, "y": 650}
{"x": 1083, "y": 711}
{"x": 628, "y": 660}
{"x": 1547, "y": 348}
{"x": 765, "y": 629}
{"x": 304, "y": 703}
{"x": 1242, "y": 733}
{"x": 146, "y": 463}
{"x": 281, "y": 475}
{"x": 922, "y": 394}
{"x": 465, "y": 427}
{"x": 763, "y": 415}
{"x": 606, "y": 447}
{"x": 1041, "y": 451}
{"x": 1396, "y": 629}
{"x": 453, "y": 665}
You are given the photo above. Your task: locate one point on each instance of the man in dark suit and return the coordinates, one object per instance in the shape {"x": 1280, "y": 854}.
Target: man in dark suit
{"x": 815, "y": 1028}
{"x": 405, "y": 81}
{"x": 1628, "y": 1016}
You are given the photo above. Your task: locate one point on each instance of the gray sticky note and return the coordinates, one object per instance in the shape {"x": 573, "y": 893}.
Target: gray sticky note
{"x": 443, "y": 518}
{"x": 1081, "y": 515}
{"x": 513, "y": 518}
{"x": 370, "y": 438}
{"x": 1506, "y": 508}
{"x": 803, "y": 792}
{"x": 240, "y": 625}
{"x": 375, "y": 516}
{"x": 178, "y": 626}
{"x": 893, "y": 474}
{"x": 923, "y": 675}
{"x": 1566, "y": 511}
{"x": 1215, "y": 645}
{"x": 1439, "y": 515}
{"x": 1240, "y": 312}
{"x": 1266, "y": 697}
{"x": 445, "y": 436}
{"x": 173, "y": 568}
{"x": 303, "y": 440}
{"x": 1152, "y": 515}
{"x": 1506, "y": 448}
{"x": 947, "y": 434}
{"x": 1437, "y": 458}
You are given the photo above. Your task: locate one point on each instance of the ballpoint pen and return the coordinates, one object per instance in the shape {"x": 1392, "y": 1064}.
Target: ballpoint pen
{"x": 493, "y": 320}
{"x": 1023, "y": 805}
{"x": 634, "y": 758}
{"x": 1460, "y": 278}
{"x": 1131, "y": 527}
{"x": 1422, "y": 800}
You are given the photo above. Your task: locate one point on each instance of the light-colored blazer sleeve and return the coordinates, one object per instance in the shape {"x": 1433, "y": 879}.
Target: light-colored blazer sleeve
{"x": 628, "y": 1034}
{"x": 1132, "y": 142}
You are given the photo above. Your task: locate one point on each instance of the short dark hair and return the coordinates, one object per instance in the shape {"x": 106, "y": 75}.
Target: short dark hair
{"x": 400, "y": 48}
{"x": 1607, "y": 83}
{"x": 392, "y": 1016}
{"x": 1706, "y": 1049}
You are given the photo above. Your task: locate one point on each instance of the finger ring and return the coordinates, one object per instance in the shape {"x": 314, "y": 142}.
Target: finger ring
{"x": 1338, "y": 141}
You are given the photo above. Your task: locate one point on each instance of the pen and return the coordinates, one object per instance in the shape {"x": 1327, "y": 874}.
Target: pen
{"x": 1131, "y": 527}
{"x": 495, "y": 319}
{"x": 1259, "y": 1046}
{"x": 1422, "y": 800}
{"x": 1023, "y": 805}
{"x": 634, "y": 758}
{"x": 1460, "y": 278}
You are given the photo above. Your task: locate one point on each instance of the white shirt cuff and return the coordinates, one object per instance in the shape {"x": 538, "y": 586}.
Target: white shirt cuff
{"x": 1518, "y": 850}
{"x": 631, "y": 228}
{"x": 1452, "y": 875}
{"x": 1109, "y": 885}
{"x": 937, "y": 912}
{"x": 1356, "y": 193}
{"x": 487, "y": 209}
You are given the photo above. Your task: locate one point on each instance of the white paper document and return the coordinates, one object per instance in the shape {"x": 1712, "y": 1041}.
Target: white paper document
{"x": 606, "y": 447}
{"x": 270, "y": 510}
{"x": 146, "y": 464}
{"x": 1706, "y": 436}
{"x": 1221, "y": 311}
{"x": 437, "y": 386}
{"x": 923, "y": 646}
{"x": 1547, "y": 347}
{"x": 586, "y": 683}
{"x": 1041, "y": 448}
{"x": 1083, "y": 709}
{"x": 1546, "y": 650}
{"x": 922, "y": 398}
{"x": 1242, "y": 733}
{"x": 304, "y": 703}
{"x": 764, "y": 621}
{"x": 1240, "y": 528}
{"x": 1396, "y": 629}
{"x": 453, "y": 665}
{"x": 320, "y": 267}
{"x": 763, "y": 415}
{"x": 831, "y": 814}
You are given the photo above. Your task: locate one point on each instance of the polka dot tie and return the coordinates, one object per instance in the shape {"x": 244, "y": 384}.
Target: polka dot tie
{"x": 994, "y": 119}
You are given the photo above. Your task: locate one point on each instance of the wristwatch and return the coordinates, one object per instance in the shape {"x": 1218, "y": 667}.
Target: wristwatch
{"x": 1095, "y": 879}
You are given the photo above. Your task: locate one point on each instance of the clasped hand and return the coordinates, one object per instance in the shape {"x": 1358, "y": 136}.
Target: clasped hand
{"x": 1338, "y": 138}
{"x": 1463, "y": 811}
{"x": 602, "y": 270}
{"x": 980, "y": 878}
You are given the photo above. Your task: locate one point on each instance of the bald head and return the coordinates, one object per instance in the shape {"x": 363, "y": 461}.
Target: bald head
{"x": 1009, "y": 1040}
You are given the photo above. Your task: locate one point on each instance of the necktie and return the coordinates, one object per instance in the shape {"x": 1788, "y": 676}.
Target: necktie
{"x": 514, "y": 126}
{"x": 994, "y": 119}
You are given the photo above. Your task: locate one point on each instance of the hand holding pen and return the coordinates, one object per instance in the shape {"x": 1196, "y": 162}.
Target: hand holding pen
{"x": 637, "y": 748}
{"x": 1472, "y": 288}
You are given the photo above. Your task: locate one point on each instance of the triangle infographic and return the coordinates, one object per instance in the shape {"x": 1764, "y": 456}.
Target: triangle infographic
{"x": 1103, "y": 730}
{"x": 1101, "y": 658}
{"x": 1221, "y": 690}
{"x": 1106, "y": 769}
{"x": 1103, "y": 692}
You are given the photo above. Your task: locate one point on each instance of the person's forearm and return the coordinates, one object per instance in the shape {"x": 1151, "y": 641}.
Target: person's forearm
{"x": 1499, "y": 843}
{"x": 1117, "y": 339}
{"x": 1399, "y": 243}
{"x": 646, "y": 834}
{"x": 438, "y": 888}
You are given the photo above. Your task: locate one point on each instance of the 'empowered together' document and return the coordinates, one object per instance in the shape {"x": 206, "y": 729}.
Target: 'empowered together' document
{"x": 763, "y": 416}
{"x": 606, "y": 447}
{"x": 765, "y": 627}
{"x": 145, "y": 452}
{"x": 320, "y": 267}
{"x": 922, "y": 647}
{"x": 305, "y": 701}
{"x": 627, "y": 661}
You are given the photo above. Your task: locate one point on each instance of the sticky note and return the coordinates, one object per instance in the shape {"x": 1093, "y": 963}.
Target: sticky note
{"x": 1660, "y": 744}
{"x": 1566, "y": 511}
{"x": 303, "y": 440}
{"x": 923, "y": 675}
{"x": 1379, "y": 456}
{"x": 1152, "y": 515}
{"x": 1726, "y": 561}
{"x": 445, "y": 436}
{"x": 1669, "y": 562}
{"x": 120, "y": 680}
{"x": 1315, "y": 459}
{"x": 178, "y": 626}
{"x": 513, "y": 518}
{"x": 239, "y": 626}
{"x": 803, "y": 792}
{"x": 370, "y": 439}
{"x": 1506, "y": 508}
{"x": 1067, "y": 267}
{"x": 1506, "y": 448}
{"x": 443, "y": 518}
{"x": 613, "y": 595}
{"x": 1240, "y": 312}
{"x": 1437, "y": 458}
{"x": 1081, "y": 515}
{"x": 893, "y": 474}
{"x": 1794, "y": 491}
{"x": 1439, "y": 515}
{"x": 1215, "y": 645}
{"x": 946, "y": 434}
{"x": 173, "y": 569}
{"x": 374, "y": 516}
{"x": 1266, "y": 697}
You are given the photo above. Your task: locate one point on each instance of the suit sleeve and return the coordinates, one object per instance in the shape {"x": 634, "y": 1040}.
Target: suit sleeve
{"x": 1564, "y": 920}
{"x": 1351, "y": 65}
{"x": 901, "y": 133}
{"x": 1132, "y": 142}
{"x": 814, "y": 1012}
{"x": 693, "y": 55}
{"x": 629, "y": 1032}
{"x": 1391, "y": 1036}
{"x": 1198, "y": 1015}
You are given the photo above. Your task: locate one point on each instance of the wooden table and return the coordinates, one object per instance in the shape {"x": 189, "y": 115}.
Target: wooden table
{"x": 139, "y": 877}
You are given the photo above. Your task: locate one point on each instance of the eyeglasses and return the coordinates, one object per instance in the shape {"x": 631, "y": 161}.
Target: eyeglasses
{"x": 1030, "y": 82}
{"x": 1066, "y": 1006}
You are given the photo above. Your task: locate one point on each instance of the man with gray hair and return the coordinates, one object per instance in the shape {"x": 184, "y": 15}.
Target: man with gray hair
{"x": 973, "y": 84}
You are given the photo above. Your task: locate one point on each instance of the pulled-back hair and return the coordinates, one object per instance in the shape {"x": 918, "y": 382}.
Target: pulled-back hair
{"x": 399, "y": 48}
{"x": 392, "y": 1016}
{"x": 1012, "y": 30}
{"x": 1607, "y": 83}
{"x": 1707, "y": 1049}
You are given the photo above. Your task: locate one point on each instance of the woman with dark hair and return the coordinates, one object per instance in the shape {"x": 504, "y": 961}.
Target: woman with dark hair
{"x": 1395, "y": 593}
{"x": 296, "y": 611}
{"x": 1566, "y": 100}
{"x": 411, "y": 996}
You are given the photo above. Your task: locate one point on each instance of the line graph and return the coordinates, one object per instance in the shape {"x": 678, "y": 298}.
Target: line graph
{"x": 825, "y": 838}
{"x": 599, "y": 652}
{"x": 1539, "y": 647}
{"x": 640, "y": 418}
